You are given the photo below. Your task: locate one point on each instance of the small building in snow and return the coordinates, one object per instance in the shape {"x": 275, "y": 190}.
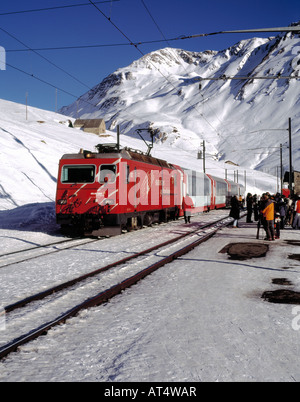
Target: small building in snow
{"x": 94, "y": 126}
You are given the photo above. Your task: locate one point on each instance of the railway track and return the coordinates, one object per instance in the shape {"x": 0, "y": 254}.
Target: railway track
{"x": 30, "y": 253}
{"x": 29, "y": 318}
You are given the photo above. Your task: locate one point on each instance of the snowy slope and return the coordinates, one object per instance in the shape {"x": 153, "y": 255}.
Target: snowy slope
{"x": 30, "y": 150}
{"x": 236, "y": 118}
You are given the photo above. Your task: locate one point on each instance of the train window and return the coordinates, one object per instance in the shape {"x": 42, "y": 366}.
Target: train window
{"x": 174, "y": 177}
{"x": 234, "y": 189}
{"x": 207, "y": 186}
{"x": 78, "y": 174}
{"x": 194, "y": 182}
{"x": 221, "y": 188}
{"x": 199, "y": 184}
{"x": 108, "y": 173}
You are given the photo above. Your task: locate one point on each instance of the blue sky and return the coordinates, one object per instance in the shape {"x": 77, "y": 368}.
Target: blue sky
{"x": 73, "y": 71}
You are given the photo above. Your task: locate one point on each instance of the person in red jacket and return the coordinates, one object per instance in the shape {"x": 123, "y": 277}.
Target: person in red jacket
{"x": 187, "y": 206}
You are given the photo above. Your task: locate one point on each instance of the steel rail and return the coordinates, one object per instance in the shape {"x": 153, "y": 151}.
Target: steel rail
{"x": 37, "y": 247}
{"x": 45, "y": 252}
{"x": 74, "y": 281}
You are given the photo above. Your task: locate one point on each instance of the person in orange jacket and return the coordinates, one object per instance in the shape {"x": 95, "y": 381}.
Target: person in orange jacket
{"x": 268, "y": 221}
{"x": 296, "y": 220}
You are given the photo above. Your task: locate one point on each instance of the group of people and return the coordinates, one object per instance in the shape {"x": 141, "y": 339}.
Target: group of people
{"x": 274, "y": 212}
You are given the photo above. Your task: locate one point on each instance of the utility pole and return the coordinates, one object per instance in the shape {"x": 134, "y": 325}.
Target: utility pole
{"x": 203, "y": 144}
{"x": 280, "y": 168}
{"x": 290, "y": 157}
{"x": 201, "y": 154}
{"x": 118, "y": 138}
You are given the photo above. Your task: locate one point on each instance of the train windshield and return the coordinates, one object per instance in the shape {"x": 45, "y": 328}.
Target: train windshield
{"x": 78, "y": 174}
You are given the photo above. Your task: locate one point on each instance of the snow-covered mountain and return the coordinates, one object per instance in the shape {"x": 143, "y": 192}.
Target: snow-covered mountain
{"x": 243, "y": 121}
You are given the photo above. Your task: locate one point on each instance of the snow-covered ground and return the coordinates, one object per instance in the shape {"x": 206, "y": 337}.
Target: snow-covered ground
{"x": 200, "y": 318}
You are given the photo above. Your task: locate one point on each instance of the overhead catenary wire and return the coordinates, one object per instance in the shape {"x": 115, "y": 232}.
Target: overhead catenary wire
{"x": 177, "y": 58}
{"x": 250, "y": 77}
{"x": 45, "y": 58}
{"x": 97, "y": 45}
{"x": 154, "y": 66}
{"x": 121, "y": 32}
{"x": 41, "y": 80}
{"x": 161, "y": 32}
{"x": 167, "y": 40}
{"x": 49, "y": 84}
{"x": 294, "y": 29}
{"x": 154, "y": 21}
{"x": 54, "y": 8}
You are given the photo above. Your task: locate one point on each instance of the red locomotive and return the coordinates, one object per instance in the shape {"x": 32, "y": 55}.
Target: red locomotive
{"x": 102, "y": 193}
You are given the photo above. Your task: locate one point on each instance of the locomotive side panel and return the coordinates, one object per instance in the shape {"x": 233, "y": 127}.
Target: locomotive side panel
{"x": 97, "y": 192}
{"x": 144, "y": 187}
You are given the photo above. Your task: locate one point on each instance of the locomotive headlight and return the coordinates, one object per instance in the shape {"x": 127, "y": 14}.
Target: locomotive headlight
{"x": 88, "y": 154}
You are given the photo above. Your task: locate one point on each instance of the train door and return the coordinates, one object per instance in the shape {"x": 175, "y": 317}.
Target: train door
{"x": 169, "y": 188}
{"x": 176, "y": 193}
{"x": 213, "y": 192}
{"x": 184, "y": 187}
{"x": 228, "y": 195}
{"x": 179, "y": 188}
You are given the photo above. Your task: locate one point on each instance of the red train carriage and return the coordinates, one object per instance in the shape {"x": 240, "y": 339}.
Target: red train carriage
{"x": 112, "y": 189}
{"x": 102, "y": 193}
